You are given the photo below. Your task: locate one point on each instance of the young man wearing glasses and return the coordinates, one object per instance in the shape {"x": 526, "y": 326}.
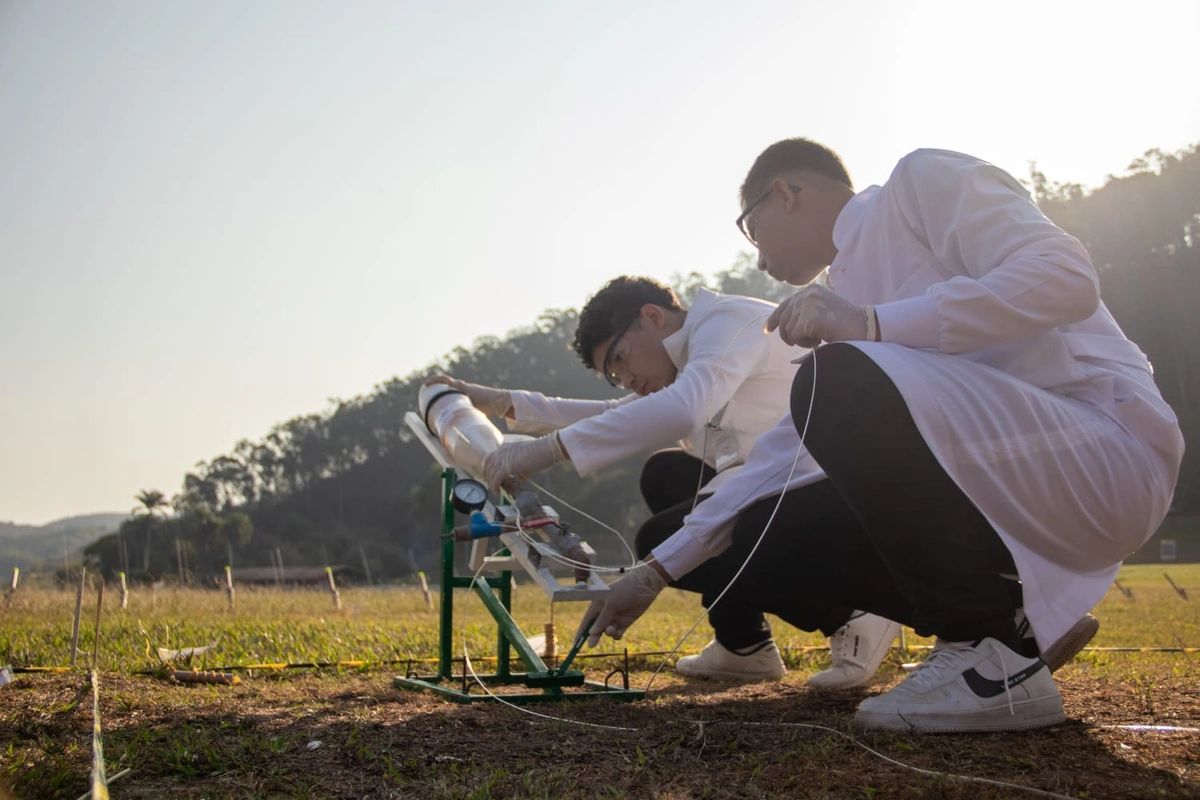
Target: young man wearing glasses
{"x": 709, "y": 379}
{"x": 991, "y": 442}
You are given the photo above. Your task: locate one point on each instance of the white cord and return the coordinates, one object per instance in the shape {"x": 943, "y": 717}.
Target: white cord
{"x": 1149, "y": 728}
{"x": 761, "y": 536}
{"x": 585, "y": 515}
{"x": 933, "y": 773}
{"x": 708, "y": 411}
{"x": 560, "y": 558}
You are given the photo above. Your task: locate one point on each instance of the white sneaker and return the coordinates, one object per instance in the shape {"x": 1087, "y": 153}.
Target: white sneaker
{"x": 857, "y": 649}
{"x": 714, "y": 661}
{"x": 968, "y": 687}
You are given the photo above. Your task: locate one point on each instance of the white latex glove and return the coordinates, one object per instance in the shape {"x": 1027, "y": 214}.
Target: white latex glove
{"x": 521, "y": 459}
{"x": 497, "y": 402}
{"x": 815, "y": 314}
{"x": 626, "y": 600}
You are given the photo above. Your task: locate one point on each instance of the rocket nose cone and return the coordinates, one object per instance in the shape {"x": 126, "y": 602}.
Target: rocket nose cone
{"x": 430, "y": 392}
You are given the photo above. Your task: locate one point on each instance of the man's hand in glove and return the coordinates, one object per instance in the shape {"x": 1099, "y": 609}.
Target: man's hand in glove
{"x": 497, "y": 402}
{"x": 520, "y": 459}
{"x": 626, "y": 600}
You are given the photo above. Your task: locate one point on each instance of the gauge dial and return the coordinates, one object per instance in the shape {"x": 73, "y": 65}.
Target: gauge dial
{"x": 468, "y": 495}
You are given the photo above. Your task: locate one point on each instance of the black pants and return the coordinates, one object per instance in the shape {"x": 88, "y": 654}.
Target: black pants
{"x": 889, "y": 532}
{"x": 940, "y": 566}
{"x": 670, "y": 479}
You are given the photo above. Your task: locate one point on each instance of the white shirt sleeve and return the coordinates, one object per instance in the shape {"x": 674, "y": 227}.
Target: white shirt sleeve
{"x": 1014, "y": 273}
{"x": 724, "y": 350}
{"x": 776, "y": 463}
{"x": 534, "y": 412}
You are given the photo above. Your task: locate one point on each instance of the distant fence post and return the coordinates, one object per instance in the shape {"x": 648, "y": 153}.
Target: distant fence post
{"x": 1179, "y": 590}
{"x": 78, "y": 609}
{"x": 366, "y": 566}
{"x": 333, "y": 590}
{"x": 99, "y": 609}
{"x": 13, "y": 589}
{"x": 124, "y": 592}
{"x": 278, "y": 568}
{"x": 229, "y": 585}
{"x": 425, "y": 590}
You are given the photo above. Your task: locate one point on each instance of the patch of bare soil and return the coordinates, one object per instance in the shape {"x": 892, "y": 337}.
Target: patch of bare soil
{"x": 355, "y": 736}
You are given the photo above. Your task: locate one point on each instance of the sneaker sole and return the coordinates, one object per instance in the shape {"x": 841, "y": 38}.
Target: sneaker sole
{"x": 994, "y": 720}
{"x": 1070, "y": 643}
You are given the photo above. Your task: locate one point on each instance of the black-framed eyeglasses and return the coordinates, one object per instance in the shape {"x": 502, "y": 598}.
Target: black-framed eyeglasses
{"x": 741, "y": 220}
{"x": 606, "y": 368}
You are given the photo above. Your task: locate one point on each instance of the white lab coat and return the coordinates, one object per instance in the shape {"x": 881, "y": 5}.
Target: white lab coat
{"x": 1018, "y": 378}
{"x": 733, "y": 384}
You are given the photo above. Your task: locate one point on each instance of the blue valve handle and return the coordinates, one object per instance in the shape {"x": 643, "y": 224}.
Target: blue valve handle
{"x": 478, "y": 526}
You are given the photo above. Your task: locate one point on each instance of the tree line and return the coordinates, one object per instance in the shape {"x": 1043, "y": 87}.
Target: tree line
{"x": 350, "y": 484}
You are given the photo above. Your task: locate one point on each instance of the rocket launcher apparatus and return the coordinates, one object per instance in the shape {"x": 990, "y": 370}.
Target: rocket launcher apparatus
{"x": 460, "y": 436}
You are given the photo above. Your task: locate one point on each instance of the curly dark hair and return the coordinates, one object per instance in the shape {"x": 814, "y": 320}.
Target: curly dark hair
{"x": 787, "y": 156}
{"x": 614, "y": 307}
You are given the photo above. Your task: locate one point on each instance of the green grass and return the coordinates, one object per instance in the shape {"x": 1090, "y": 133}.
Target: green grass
{"x": 273, "y": 626}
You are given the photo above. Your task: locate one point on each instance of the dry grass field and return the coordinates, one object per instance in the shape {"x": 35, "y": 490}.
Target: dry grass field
{"x": 345, "y": 731}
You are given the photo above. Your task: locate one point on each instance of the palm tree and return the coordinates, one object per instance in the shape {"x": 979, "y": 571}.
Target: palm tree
{"x": 151, "y": 501}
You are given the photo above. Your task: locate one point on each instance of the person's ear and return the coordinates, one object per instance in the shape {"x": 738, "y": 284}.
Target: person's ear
{"x": 789, "y": 197}
{"x": 653, "y": 316}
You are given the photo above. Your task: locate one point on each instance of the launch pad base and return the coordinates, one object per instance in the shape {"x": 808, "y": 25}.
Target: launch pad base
{"x": 551, "y": 681}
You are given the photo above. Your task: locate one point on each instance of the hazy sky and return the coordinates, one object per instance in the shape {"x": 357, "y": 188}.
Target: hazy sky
{"x": 214, "y": 216}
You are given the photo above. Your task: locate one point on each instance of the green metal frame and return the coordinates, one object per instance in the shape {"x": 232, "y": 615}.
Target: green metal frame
{"x": 537, "y": 675}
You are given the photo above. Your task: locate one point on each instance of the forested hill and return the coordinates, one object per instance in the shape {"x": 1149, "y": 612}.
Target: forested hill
{"x": 32, "y": 546}
{"x": 348, "y": 485}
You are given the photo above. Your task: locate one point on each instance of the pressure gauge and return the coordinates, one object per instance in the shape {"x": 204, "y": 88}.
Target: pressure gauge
{"x": 468, "y": 495}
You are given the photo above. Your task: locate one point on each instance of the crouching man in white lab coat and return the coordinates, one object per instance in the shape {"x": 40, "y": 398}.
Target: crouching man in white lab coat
{"x": 711, "y": 380}
{"x": 982, "y": 444}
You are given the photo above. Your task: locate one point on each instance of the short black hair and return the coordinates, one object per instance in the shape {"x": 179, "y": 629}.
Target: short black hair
{"x": 791, "y": 155}
{"x": 615, "y": 307}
